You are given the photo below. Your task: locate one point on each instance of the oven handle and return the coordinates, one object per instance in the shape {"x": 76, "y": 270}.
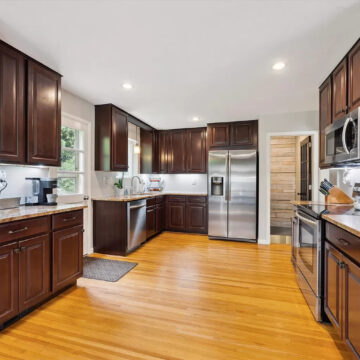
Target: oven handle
{"x": 347, "y": 121}
{"x": 304, "y": 219}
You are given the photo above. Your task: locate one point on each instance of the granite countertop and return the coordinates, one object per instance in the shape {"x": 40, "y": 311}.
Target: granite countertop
{"x": 350, "y": 223}
{"x": 26, "y": 212}
{"x": 145, "y": 196}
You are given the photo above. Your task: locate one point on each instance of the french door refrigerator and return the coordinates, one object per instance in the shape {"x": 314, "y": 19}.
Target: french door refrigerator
{"x": 232, "y": 199}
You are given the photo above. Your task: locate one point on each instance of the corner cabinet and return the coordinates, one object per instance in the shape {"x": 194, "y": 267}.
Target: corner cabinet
{"x": 44, "y": 115}
{"x": 12, "y": 106}
{"x": 149, "y": 152}
{"x": 111, "y": 138}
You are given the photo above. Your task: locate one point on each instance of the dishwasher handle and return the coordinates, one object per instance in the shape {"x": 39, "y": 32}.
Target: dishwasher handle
{"x": 133, "y": 207}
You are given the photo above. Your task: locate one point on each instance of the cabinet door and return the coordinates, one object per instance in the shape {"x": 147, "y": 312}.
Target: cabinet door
{"x": 354, "y": 77}
{"x": 12, "y": 103}
{"x": 324, "y": 114}
{"x": 160, "y": 218}
{"x": 119, "y": 141}
{"x": 333, "y": 285}
{"x": 146, "y": 151}
{"x": 175, "y": 216}
{"x": 196, "y": 218}
{"x": 339, "y": 78}
{"x": 150, "y": 221}
{"x": 67, "y": 256}
{"x": 196, "y": 151}
{"x": 218, "y": 135}
{"x": 44, "y": 115}
{"x": 243, "y": 134}
{"x": 351, "y": 306}
{"x": 34, "y": 271}
{"x": 176, "y": 152}
{"x": 9, "y": 280}
{"x": 163, "y": 152}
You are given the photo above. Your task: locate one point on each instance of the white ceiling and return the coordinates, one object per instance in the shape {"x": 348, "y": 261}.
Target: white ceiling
{"x": 212, "y": 59}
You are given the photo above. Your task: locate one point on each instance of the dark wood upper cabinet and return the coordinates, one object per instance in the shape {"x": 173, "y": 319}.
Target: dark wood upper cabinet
{"x": 34, "y": 271}
{"x": 339, "y": 91}
{"x": 354, "y": 77}
{"x": 325, "y": 117}
{"x": 176, "y": 151}
{"x": 333, "y": 286}
{"x": 149, "y": 151}
{"x": 43, "y": 115}
{"x": 111, "y": 139}
{"x": 196, "y": 150}
{"x": 9, "y": 280}
{"x": 12, "y": 105}
{"x": 351, "y": 295}
{"x": 67, "y": 256}
{"x": 244, "y": 134}
{"x": 218, "y": 135}
{"x": 163, "y": 151}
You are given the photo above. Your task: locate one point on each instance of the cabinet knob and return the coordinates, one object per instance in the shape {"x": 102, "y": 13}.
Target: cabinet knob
{"x": 23, "y": 248}
{"x": 16, "y": 251}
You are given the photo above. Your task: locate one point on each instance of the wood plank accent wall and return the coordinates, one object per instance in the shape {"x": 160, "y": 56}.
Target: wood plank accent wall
{"x": 283, "y": 179}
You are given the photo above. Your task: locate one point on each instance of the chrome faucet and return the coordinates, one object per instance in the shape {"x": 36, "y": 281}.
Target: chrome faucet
{"x": 132, "y": 183}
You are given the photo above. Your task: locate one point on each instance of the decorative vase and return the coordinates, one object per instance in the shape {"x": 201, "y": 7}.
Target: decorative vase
{"x": 119, "y": 192}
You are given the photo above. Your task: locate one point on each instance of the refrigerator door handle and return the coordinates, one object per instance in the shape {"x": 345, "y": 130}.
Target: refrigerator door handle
{"x": 229, "y": 178}
{"x": 226, "y": 179}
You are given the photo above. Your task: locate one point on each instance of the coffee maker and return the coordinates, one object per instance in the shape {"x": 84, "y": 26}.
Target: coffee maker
{"x": 41, "y": 187}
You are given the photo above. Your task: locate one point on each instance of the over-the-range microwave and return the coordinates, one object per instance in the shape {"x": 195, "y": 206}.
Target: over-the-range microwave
{"x": 342, "y": 145}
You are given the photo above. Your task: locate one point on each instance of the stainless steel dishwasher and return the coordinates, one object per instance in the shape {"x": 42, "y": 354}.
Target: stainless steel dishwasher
{"x": 136, "y": 211}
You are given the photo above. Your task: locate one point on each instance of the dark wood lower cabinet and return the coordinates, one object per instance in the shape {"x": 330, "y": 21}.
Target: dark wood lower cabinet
{"x": 34, "y": 284}
{"x": 333, "y": 286}
{"x": 67, "y": 256}
{"x": 9, "y": 280}
{"x": 160, "y": 218}
{"x": 196, "y": 218}
{"x": 351, "y": 307}
{"x": 175, "y": 216}
{"x": 342, "y": 284}
{"x": 29, "y": 275}
{"x": 150, "y": 221}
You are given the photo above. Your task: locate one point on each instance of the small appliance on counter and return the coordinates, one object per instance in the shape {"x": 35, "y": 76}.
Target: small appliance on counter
{"x": 356, "y": 195}
{"x": 42, "y": 191}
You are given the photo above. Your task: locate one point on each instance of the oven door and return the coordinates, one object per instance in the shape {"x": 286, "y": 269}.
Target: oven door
{"x": 307, "y": 249}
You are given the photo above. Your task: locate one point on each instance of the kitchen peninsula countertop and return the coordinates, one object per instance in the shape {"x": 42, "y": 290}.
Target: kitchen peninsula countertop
{"x": 349, "y": 223}
{"x": 27, "y": 212}
{"x": 145, "y": 196}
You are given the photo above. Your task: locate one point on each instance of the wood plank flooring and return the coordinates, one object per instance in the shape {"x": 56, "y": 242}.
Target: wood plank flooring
{"x": 188, "y": 298}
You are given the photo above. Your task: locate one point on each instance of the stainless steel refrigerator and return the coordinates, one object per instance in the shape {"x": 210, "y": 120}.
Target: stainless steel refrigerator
{"x": 232, "y": 189}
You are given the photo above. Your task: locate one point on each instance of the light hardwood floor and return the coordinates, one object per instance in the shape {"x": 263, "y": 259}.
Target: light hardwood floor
{"x": 188, "y": 298}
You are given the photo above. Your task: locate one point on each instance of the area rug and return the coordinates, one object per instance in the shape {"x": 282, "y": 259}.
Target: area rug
{"x": 106, "y": 270}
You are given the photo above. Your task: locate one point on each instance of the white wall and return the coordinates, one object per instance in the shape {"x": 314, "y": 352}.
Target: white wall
{"x": 299, "y": 123}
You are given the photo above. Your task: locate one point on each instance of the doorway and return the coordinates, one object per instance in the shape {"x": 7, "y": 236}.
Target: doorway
{"x": 290, "y": 179}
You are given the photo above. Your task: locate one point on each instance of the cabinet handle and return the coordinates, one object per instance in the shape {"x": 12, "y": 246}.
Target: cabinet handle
{"x": 342, "y": 265}
{"x": 16, "y": 251}
{"x": 343, "y": 242}
{"x": 69, "y": 219}
{"x": 18, "y": 230}
{"x": 22, "y": 248}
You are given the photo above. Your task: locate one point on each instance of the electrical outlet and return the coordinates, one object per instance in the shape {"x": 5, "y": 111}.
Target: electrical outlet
{"x": 2, "y": 175}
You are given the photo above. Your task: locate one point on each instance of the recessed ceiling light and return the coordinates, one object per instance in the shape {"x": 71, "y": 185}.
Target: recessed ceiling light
{"x": 195, "y": 118}
{"x": 127, "y": 86}
{"x": 278, "y": 65}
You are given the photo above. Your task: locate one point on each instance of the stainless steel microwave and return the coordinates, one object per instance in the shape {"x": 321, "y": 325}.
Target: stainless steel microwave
{"x": 342, "y": 140}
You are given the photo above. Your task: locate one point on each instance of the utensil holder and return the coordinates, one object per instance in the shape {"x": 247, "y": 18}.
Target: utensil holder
{"x": 337, "y": 196}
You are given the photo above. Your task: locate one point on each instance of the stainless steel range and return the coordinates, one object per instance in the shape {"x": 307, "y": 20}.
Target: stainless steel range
{"x": 307, "y": 255}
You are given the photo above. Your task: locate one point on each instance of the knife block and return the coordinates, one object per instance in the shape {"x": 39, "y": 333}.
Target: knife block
{"x": 337, "y": 196}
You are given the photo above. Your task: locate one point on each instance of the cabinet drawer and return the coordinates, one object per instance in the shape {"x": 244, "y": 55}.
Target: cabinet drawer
{"x": 24, "y": 228}
{"x": 176, "y": 198}
{"x": 196, "y": 199}
{"x": 160, "y": 199}
{"x": 343, "y": 240}
{"x": 150, "y": 202}
{"x": 67, "y": 219}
